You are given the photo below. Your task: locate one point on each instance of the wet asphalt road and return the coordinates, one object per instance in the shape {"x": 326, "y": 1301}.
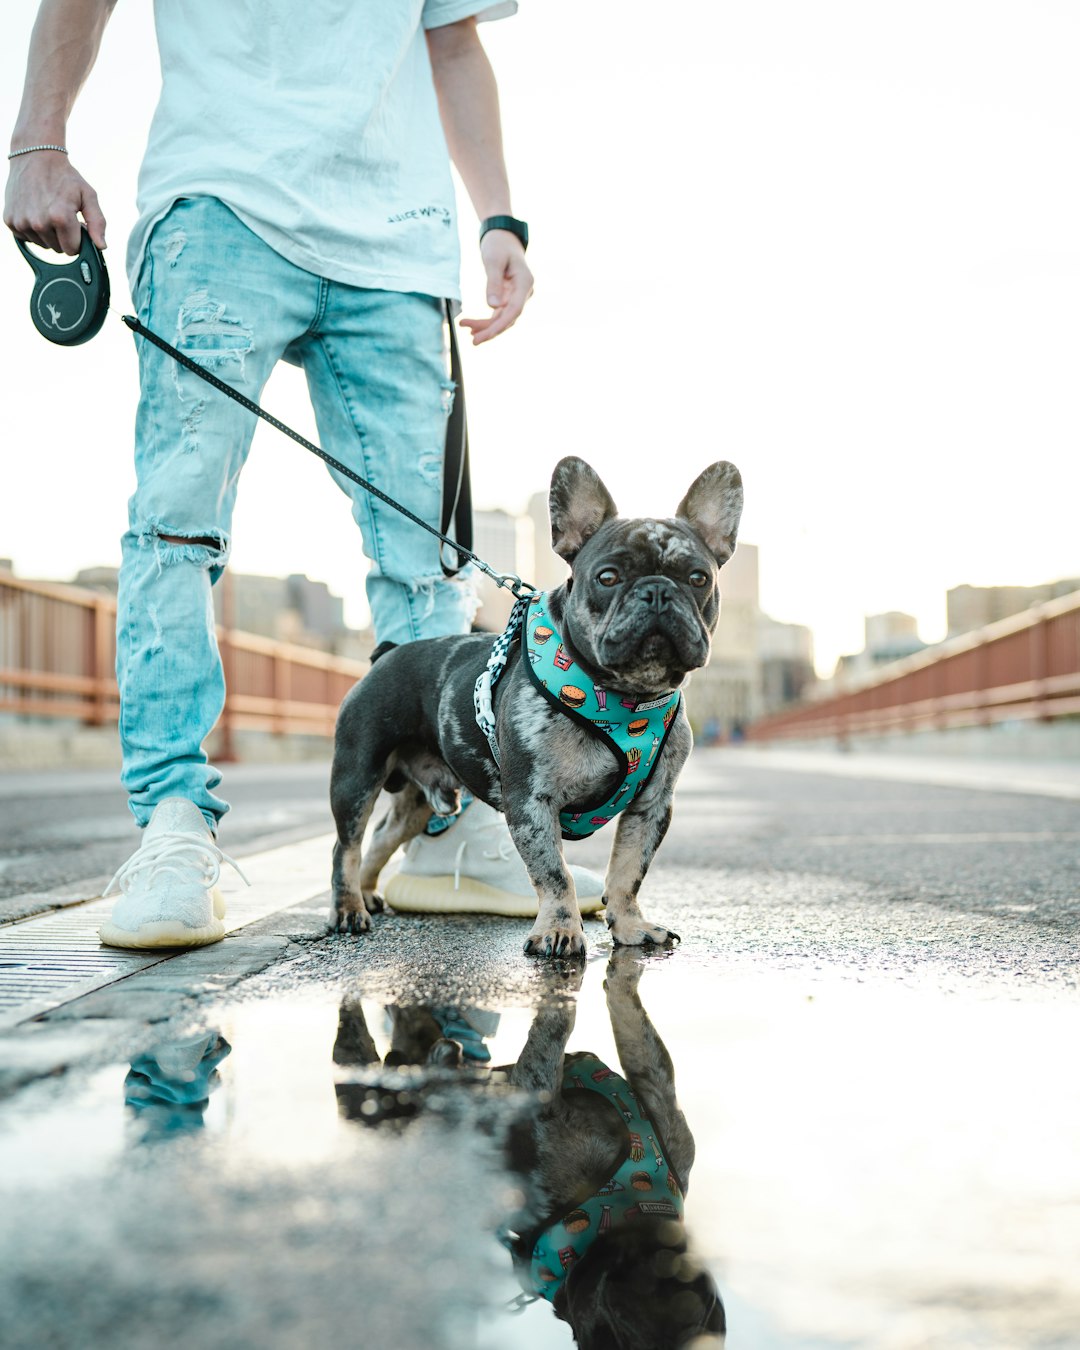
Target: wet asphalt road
{"x": 872, "y": 1020}
{"x": 64, "y": 833}
{"x": 984, "y": 853}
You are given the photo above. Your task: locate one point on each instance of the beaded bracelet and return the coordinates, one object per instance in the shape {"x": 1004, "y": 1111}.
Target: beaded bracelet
{"x": 29, "y": 150}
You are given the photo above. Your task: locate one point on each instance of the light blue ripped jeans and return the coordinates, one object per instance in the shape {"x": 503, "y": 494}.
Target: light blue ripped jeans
{"x": 376, "y": 371}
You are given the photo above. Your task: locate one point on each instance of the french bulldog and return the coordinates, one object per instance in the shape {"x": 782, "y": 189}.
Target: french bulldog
{"x": 635, "y": 616}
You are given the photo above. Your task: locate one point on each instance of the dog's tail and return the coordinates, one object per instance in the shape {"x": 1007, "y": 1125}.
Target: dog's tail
{"x": 381, "y": 650}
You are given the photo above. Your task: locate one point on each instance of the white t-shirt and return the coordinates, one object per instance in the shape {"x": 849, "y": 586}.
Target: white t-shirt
{"x": 316, "y": 122}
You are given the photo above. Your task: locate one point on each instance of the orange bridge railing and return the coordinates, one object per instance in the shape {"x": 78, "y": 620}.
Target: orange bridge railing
{"x": 1024, "y": 667}
{"x": 57, "y": 652}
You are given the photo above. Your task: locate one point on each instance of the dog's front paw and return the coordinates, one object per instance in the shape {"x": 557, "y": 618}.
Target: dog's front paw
{"x": 631, "y": 930}
{"x": 565, "y": 937}
{"x": 349, "y": 915}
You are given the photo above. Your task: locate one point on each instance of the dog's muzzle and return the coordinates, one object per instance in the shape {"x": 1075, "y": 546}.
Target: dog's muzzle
{"x": 655, "y": 612}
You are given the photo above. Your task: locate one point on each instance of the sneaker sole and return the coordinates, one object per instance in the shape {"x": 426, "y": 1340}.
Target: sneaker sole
{"x": 167, "y": 933}
{"x": 412, "y": 894}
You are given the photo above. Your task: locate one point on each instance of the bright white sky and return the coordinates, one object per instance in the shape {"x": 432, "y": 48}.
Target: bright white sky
{"x": 835, "y": 242}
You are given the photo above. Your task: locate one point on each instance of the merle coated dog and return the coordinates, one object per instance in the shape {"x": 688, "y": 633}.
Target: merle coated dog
{"x": 635, "y": 617}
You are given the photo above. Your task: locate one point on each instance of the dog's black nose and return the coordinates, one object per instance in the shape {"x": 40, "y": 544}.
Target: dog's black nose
{"x": 655, "y": 593}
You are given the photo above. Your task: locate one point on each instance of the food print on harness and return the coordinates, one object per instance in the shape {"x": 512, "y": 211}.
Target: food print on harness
{"x": 645, "y": 1185}
{"x": 634, "y": 732}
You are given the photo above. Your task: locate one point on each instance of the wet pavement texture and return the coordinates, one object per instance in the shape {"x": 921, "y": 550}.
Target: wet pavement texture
{"x": 870, "y": 1023}
{"x": 65, "y": 833}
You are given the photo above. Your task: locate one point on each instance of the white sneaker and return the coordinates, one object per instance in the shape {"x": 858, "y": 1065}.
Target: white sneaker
{"x": 168, "y": 887}
{"x": 474, "y": 868}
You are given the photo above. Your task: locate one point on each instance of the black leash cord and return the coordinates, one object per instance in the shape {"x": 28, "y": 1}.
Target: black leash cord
{"x": 513, "y": 583}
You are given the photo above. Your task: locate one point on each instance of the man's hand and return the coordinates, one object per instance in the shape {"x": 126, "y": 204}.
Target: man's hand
{"x": 509, "y": 284}
{"x": 44, "y": 197}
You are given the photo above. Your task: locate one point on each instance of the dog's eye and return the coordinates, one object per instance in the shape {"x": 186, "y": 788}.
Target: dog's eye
{"x": 698, "y": 579}
{"x": 608, "y": 577}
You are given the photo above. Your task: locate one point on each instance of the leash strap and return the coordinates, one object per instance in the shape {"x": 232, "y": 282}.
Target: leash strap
{"x": 462, "y": 502}
{"x": 484, "y": 689}
{"x": 456, "y": 518}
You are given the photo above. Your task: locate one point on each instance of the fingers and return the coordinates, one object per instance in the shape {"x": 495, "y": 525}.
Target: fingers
{"x": 509, "y": 285}
{"x": 68, "y": 230}
{"x": 483, "y": 330}
{"x": 92, "y": 214}
{"x": 44, "y": 199}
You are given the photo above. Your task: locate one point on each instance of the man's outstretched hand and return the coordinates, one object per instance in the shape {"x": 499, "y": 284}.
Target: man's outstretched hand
{"x": 509, "y": 285}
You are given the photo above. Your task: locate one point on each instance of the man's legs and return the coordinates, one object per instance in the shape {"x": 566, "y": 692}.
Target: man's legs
{"x": 376, "y": 370}
{"x": 227, "y": 300}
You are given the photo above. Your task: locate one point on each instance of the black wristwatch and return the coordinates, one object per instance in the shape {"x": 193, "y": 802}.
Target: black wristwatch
{"x": 510, "y": 223}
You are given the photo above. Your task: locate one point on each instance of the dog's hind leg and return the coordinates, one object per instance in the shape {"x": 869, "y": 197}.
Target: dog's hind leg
{"x": 356, "y": 778}
{"x": 348, "y": 910}
{"x": 409, "y": 813}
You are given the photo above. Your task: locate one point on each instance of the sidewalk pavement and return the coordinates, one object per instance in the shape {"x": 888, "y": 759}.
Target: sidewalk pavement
{"x": 1041, "y": 777}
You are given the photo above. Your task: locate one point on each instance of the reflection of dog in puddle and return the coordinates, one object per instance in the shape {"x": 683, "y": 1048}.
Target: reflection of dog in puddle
{"x": 602, "y": 1159}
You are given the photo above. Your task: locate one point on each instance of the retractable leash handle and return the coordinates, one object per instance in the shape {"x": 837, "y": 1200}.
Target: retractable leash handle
{"x": 70, "y": 299}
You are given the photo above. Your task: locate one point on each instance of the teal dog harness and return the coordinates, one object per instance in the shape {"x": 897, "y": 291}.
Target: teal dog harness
{"x": 634, "y": 732}
{"x": 644, "y": 1186}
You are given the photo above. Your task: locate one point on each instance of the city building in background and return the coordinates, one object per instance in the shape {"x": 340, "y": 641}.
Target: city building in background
{"x": 758, "y": 664}
{"x": 288, "y": 609}
{"x": 549, "y": 570}
{"x": 786, "y": 657}
{"x": 887, "y": 637}
{"x": 971, "y": 607}
{"x": 508, "y": 544}
{"x": 724, "y": 697}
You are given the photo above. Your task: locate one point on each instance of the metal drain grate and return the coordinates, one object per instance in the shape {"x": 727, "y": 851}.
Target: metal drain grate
{"x": 57, "y": 957}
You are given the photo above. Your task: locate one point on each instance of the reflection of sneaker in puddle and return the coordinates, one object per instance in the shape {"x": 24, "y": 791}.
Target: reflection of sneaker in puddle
{"x": 168, "y": 1089}
{"x": 474, "y": 868}
{"x": 168, "y": 887}
{"x": 469, "y": 1027}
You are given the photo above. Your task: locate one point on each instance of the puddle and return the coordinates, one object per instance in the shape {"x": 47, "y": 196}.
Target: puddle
{"x": 871, "y": 1168}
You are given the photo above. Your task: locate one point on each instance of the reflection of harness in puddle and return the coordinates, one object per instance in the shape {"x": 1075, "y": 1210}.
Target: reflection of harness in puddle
{"x": 600, "y": 1232}
{"x": 546, "y": 1254}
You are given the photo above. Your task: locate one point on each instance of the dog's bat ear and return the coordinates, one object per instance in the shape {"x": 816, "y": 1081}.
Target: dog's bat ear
{"x": 579, "y": 504}
{"x": 712, "y": 508}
